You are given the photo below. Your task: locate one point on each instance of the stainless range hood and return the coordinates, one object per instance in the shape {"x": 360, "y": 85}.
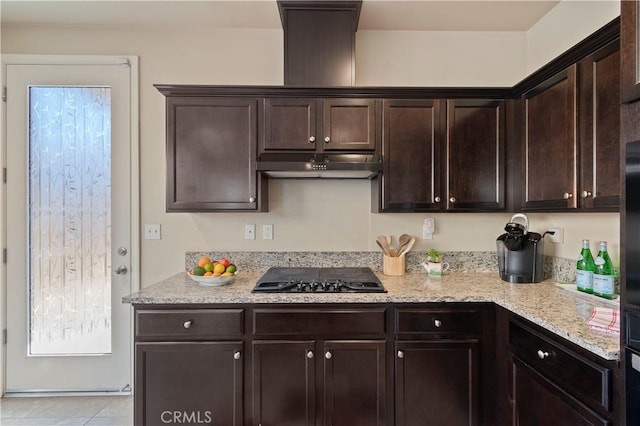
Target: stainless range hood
{"x": 315, "y": 165}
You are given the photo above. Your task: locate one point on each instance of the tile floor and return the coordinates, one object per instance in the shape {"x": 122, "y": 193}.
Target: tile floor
{"x": 67, "y": 410}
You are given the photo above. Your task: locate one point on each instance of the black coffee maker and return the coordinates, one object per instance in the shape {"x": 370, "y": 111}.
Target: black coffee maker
{"x": 520, "y": 252}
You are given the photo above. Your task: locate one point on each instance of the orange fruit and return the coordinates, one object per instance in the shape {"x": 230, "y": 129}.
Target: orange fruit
{"x": 208, "y": 274}
{"x": 225, "y": 262}
{"x": 218, "y": 269}
{"x": 203, "y": 261}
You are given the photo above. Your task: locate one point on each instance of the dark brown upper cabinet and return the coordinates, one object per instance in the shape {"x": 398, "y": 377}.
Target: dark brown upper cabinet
{"x": 630, "y": 58}
{"x": 550, "y": 143}
{"x": 599, "y": 185}
{"x": 319, "y": 42}
{"x": 475, "y": 152}
{"x": 307, "y": 124}
{"x": 411, "y": 148}
{"x": 211, "y": 154}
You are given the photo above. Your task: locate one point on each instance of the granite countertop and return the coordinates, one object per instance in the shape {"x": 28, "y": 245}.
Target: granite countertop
{"x": 558, "y": 310}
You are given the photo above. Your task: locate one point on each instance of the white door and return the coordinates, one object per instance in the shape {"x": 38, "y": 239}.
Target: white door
{"x": 68, "y": 213}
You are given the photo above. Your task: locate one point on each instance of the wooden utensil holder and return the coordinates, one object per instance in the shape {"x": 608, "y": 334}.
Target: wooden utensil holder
{"x": 393, "y": 266}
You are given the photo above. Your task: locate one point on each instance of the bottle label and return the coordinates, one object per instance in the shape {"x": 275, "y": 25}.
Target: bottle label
{"x": 584, "y": 279}
{"x": 603, "y": 284}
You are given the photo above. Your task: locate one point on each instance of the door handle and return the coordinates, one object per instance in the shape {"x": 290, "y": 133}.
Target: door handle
{"x": 121, "y": 270}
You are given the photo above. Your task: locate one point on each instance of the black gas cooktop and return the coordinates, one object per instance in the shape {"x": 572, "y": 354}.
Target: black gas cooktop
{"x": 319, "y": 280}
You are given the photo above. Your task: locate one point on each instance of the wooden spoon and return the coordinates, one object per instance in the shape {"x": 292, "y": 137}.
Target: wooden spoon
{"x": 403, "y": 241}
{"x": 407, "y": 247}
{"x": 382, "y": 242}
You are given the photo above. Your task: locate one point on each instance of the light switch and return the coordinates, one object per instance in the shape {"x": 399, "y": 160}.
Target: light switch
{"x": 152, "y": 232}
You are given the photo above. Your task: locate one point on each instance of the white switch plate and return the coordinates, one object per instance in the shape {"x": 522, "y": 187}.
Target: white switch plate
{"x": 267, "y": 232}
{"x": 152, "y": 232}
{"x": 250, "y": 231}
{"x": 558, "y": 237}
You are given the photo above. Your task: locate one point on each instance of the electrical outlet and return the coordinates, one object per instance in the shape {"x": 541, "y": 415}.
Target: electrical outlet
{"x": 152, "y": 232}
{"x": 557, "y": 236}
{"x": 267, "y": 232}
{"x": 249, "y": 232}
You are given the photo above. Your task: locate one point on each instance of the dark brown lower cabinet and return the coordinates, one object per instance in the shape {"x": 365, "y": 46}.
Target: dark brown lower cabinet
{"x": 436, "y": 383}
{"x": 539, "y": 402}
{"x": 338, "y": 383}
{"x": 284, "y": 383}
{"x": 189, "y": 383}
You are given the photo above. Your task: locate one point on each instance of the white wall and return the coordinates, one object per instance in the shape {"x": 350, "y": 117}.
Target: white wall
{"x": 307, "y": 215}
{"x": 565, "y": 25}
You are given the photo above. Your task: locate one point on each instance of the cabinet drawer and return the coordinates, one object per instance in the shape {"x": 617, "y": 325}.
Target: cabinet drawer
{"x": 189, "y": 324}
{"x": 326, "y": 322}
{"x": 420, "y": 321}
{"x": 587, "y": 381}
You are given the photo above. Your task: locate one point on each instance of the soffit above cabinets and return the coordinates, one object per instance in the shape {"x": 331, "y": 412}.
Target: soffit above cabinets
{"x": 396, "y": 15}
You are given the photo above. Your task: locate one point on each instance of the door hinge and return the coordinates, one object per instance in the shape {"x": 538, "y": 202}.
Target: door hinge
{"x": 4, "y": 94}
{"x": 4, "y": 255}
{"x": 4, "y": 336}
{"x": 4, "y": 175}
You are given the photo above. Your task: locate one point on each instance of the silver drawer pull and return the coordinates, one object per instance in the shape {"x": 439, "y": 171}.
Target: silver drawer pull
{"x": 187, "y": 324}
{"x": 312, "y": 139}
{"x": 567, "y": 195}
{"x": 327, "y": 355}
{"x": 310, "y": 354}
{"x": 400, "y": 354}
{"x": 437, "y": 323}
{"x": 543, "y": 355}
{"x": 236, "y": 355}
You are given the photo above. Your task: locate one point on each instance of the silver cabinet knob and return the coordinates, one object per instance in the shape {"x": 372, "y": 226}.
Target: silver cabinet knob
{"x": 452, "y": 199}
{"x": 310, "y": 354}
{"x": 236, "y": 355}
{"x": 122, "y": 251}
{"x": 187, "y": 324}
{"x": 312, "y": 139}
{"x": 437, "y": 323}
{"x": 121, "y": 270}
{"x": 586, "y": 194}
{"x": 567, "y": 195}
{"x": 543, "y": 355}
{"x": 437, "y": 199}
{"x": 400, "y": 354}
{"x": 252, "y": 199}
{"x": 327, "y": 139}
{"x": 327, "y": 355}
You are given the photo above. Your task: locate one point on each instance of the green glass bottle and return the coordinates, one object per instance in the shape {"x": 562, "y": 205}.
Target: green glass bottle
{"x": 585, "y": 268}
{"x": 604, "y": 275}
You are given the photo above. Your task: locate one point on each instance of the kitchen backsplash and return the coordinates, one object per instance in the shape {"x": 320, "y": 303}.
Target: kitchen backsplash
{"x": 560, "y": 269}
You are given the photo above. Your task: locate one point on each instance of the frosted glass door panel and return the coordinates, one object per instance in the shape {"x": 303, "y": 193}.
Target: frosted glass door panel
{"x": 69, "y": 220}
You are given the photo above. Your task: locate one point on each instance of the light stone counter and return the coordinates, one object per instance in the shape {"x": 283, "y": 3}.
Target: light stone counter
{"x": 560, "y": 311}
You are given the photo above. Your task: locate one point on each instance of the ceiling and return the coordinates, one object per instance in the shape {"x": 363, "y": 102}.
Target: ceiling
{"x": 399, "y": 15}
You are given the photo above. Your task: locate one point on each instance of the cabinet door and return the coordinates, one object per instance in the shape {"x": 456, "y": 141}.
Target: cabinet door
{"x": 475, "y": 155}
{"x": 211, "y": 154}
{"x": 189, "y": 383}
{"x": 550, "y": 143}
{"x": 283, "y": 383}
{"x": 411, "y": 152}
{"x": 538, "y": 402}
{"x": 290, "y": 124}
{"x": 354, "y": 383}
{"x": 629, "y": 32}
{"x": 600, "y": 129}
{"x": 349, "y": 125}
{"x": 437, "y": 383}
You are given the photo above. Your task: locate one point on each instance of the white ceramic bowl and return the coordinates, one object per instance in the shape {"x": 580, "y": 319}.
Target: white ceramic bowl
{"x": 212, "y": 281}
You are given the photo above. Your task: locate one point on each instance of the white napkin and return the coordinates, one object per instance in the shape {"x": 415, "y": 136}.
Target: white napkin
{"x": 605, "y": 319}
